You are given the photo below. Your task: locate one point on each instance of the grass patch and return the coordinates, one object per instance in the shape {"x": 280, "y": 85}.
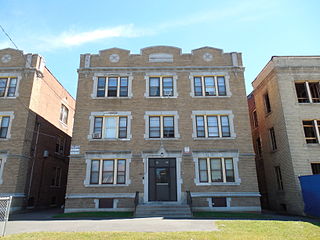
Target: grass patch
{"x": 229, "y": 215}
{"x": 229, "y": 229}
{"x": 95, "y": 215}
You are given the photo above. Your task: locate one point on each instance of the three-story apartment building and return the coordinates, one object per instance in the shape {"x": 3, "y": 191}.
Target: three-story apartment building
{"x": 285, "y": 115}
{"x": 36, "y": 121}
{"x": 162, "y": 123}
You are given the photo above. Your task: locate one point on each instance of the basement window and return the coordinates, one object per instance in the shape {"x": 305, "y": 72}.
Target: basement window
{"x": 106, "y": 203}
{"x": 219, "y": 202}
{"x": 315, "y": 168}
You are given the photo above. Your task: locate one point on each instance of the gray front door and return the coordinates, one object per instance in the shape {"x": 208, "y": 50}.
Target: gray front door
{"x": 162, "y": 179}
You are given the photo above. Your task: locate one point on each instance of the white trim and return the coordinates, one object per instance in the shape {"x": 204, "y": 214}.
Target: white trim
{"x": 100, "y": 195}
{"x": 228, "y": 209}
{"x": 218, "y": 112}
{"x": 228, "y": 202}
{"x": 111, "y": 74}
{"x": 233, "y": 155}
{"x": 162, "y": 153}
{"x": 175, "y": 114}
{"x": 89, "y": 157}
{"x": 225, "y": 194}
{"x": 71, "y": 210}
{"x": 11, "y": 115}
{"x": 219, "y": 73}
{"x": 160, "y": 75}
{"x": 109, "y": 114}
{"x": 14, "y": 195}
{"x": 11, "y": 75}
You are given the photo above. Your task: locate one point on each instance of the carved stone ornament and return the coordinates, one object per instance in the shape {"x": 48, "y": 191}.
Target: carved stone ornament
{"x": 6, "y": 58}
{"x": 207, "y": 57}
{"x": 114, "y": 58}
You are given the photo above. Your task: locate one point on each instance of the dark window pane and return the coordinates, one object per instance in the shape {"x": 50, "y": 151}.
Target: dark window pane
{"x": 101, "y": 88}
{"x": 167, "y": 86}
{"x": 197, "y": 86}
{"x": 315, "y": 168}
{"x": 112, "y": 86}
{"x": 121, "y": 170}
{"x": 154, "y": 127}
{"x": 216, "y": 170}
{"x": 279, "y": 178}
{"x": 12, "y": 87}
{"x": 3, "y": 85}
{"x": 267, "y": 103}
{"x": 315, "y": 91}
{"x": 209, "y": 86}
{"x": 213, "y": 129}
{"x": 219, "y": 202}
{"x": 97, "y": 129}
{"x": 302, "y": 93}
{"x": 122, "y": 127}
{"x": 273, "y": 139}
{"x": 228, "y": 162}
{"x": 106, "y": 203}
{"x": 221, "y": 86}
{"x": 200, "y": 126}
{"x": 203, "y": 173}
{"x": 310, "y": 132}
{"x": 162, "y": 175}
{"x": 107, "y": 172}
{"x": 123, "y": 87}
{"x": 154, "y": 86}
{"x": 168, "y": 127}
{"x": 4, "y": 127}
{"x": 95, "y": 167}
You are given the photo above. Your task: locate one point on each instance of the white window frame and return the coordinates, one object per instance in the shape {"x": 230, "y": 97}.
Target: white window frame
{"x": 161, "y": 75}
{"x": 3, "y": 159}
{"x": 109, "y": 114}
{"x": 11, "y": 115}
{"x": 206, "y": 113}
{"x": 101, "y": 157}
{"x": 233, "y": 155}
{"x": 64, "y": 110}
{"x": 109, "y": 74}
{"x": 226, "y": 76}
{"x": 11, "y": 75}
{"x": 162, "y": 114}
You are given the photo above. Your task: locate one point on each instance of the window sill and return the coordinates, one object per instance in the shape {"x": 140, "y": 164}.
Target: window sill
{"x": 8, "y": 97}
{"x": 4, "y": 139}
{"x": 157, "y": 97}
{"x": 105, "y": 98}
{"x": 65, "y": 125}
{"x": 177, "y": 138}
{"x": 193, "y": 96}
{"x": 106, "y": 185}
{"x": 274, "y": 151}
{"x": 215, "y": 139}
{"x": 312, "y": 144}
{"x": 108, "y": 139}
{"x": 217, "y": 184}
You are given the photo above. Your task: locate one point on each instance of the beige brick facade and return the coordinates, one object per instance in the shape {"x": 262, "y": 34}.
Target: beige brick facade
{"x": 34, "y": 110}
{"x": 138, "y": 147}
{"x": 293, "y": 155}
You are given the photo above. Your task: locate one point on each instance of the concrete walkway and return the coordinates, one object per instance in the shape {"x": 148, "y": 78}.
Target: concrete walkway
{"x": 42, "y": 221}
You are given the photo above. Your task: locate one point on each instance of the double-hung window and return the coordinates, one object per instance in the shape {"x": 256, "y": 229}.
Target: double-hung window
{"x": 64, "y": 112}
{"x": 209, "y": 86}
{"x": 4, "y": 126}
{"x": 311, "y": 131}
{"x": 110, "y": 127}
{"x": 161, "y": 86}
{"x": 112, "y": 86}
{"x": 8, "y": 86}
{"x": 278, "y": 178}
{"x": 212, "y": 126}
{"x": 216, "y": 170}
{"x": 273, "y": 139}
{"x": 161, "y": 127}
{"x": 308, "y": 92}
{"x": 108, "y": 171}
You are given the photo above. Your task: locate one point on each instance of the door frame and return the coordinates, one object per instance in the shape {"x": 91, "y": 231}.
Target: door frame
{"x": 161, "y": 154}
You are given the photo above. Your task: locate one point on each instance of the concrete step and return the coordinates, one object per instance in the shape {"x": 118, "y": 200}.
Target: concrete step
{"x": 163, "y": 210}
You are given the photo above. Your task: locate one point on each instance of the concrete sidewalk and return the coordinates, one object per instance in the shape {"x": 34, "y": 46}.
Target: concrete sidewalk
{"x": 127, "y": 225}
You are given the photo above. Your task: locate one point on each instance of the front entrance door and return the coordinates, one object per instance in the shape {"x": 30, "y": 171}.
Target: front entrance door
{"x": 162, "y": 179}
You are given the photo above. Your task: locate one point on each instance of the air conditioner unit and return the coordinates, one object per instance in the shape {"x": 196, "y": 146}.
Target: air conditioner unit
{"x": 96, "y": 135}
{"x": 167, "y": 93}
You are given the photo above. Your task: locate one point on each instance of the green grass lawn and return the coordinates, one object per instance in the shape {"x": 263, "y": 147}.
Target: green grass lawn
{"x": 228, "y": 230}
{"x": 228, "y": 215}
{"x": 95, "y": 215}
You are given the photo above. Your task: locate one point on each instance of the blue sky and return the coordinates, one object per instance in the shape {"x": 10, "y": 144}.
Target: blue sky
{"x": 62, "y": 30}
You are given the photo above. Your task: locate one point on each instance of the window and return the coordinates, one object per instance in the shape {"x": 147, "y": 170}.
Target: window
{"x": 106, "y": 203}
{"x": 219, "y": 202}
{"x": 209, "y": 86}
{"x": 64, "y": 112}
{"x": 311, "y": 130}
{"x": 112, "y": 87}
{"x": 273, "y": 139}
{"x": 8, "y": 86}
{"x": 279, "y": 178}
{"x": 258, "y": 147}
{"x": 161, "y": 87}
{"x": 216, "y": 170}
{"x": 108, "y": 171}
{"x": 314, "y": 166}
{"x": 110, "y": 127}
{"x": 161, "y": 127}
{"x": 4, "y": 127}
{"x": 60, "y": 144}
{"x": 308, "y": 92}
{"x": 267, "y": 103}
{"x": 255, "y": 119}
{"x": 212, "y": 126}
{"x": 56, "y": 178}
